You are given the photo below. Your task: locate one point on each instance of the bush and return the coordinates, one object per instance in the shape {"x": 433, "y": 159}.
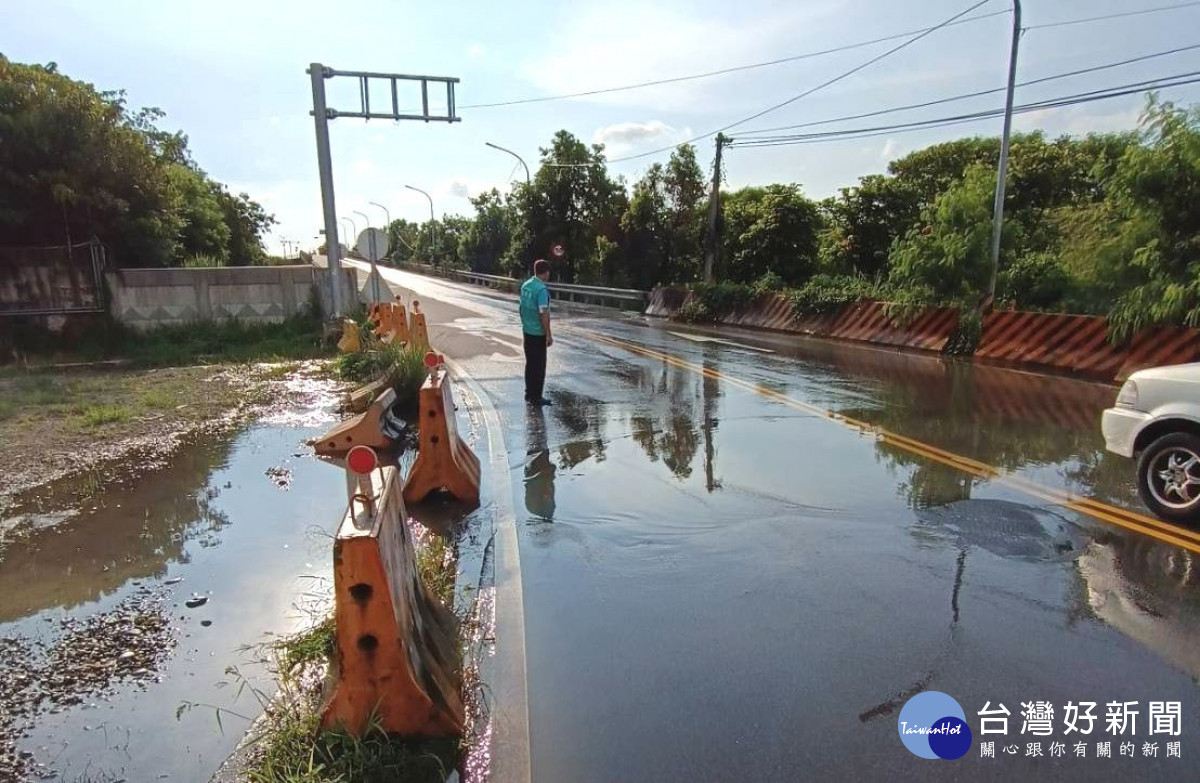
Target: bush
{"x": 401, "y": 365}
{"x": 828, "y": 293}
{"x": 1036, "y": 281}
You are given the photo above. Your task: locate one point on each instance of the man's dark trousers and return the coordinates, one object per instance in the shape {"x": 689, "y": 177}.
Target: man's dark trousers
{"x": 535, "y": 366}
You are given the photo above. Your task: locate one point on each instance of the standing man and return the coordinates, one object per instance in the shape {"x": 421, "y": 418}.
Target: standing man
{"x": 535, "y": 323}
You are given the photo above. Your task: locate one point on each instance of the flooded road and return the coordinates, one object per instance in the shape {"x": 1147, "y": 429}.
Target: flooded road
{"x": 139, "y": 601}
{"x": 718, "y": 586}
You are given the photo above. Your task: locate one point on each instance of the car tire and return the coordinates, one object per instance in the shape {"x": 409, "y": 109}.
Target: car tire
{"x": 1165, "y": 473}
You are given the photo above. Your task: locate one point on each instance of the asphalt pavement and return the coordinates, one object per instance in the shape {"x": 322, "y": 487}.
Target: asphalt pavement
{"x": 742, "y": 554}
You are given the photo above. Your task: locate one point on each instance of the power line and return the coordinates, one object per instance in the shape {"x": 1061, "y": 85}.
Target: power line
{"x": 810, "y": 91}
{"x": 1123, "y": 15}
{"x": 966, "y": 96}
{"x": 1164, "y": 82}
{"x": 810, "y": 55}
{"x": 723, "y": 71}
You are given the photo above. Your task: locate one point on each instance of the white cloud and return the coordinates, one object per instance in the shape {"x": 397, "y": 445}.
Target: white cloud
{"x": 626, "y": 136}
{"x": 459, "y": 188}
{"x": 891, "y": 150}
{"x": 626, "y": 42}
{"x": 476, "y": 51}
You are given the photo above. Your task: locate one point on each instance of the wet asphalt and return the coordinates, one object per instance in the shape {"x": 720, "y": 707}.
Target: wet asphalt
{"x": 718, "y": 587}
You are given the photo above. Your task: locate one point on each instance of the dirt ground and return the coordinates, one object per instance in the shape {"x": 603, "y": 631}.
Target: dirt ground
{"x": 88, "y": 421}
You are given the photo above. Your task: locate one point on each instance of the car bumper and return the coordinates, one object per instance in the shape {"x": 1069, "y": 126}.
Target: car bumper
{"x": 1121, "y": 427}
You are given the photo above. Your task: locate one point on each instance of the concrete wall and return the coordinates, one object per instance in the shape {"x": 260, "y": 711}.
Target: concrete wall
{"x": 146, "y": 298}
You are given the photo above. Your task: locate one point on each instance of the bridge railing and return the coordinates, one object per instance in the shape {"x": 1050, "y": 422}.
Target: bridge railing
{"x": 621, "y": 298}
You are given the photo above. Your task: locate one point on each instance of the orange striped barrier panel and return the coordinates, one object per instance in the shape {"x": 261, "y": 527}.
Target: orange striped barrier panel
{"x": 444, "y": 461}
{"x": 370, "y": 428}
{"x": 395, "y": 643}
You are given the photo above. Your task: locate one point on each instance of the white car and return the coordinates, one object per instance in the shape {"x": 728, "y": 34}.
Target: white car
{"x": 1156, "y": 418}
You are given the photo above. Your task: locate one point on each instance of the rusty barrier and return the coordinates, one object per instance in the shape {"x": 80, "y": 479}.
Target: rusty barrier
{"x": 444, "y": 461}
{"x": 396, "y": 644}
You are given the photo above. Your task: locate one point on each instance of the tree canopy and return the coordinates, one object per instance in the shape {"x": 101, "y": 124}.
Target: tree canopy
{"x": 76, "y": 162}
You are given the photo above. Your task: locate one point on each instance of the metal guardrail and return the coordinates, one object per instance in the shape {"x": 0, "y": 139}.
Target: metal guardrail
{"x": 618, "y": 297}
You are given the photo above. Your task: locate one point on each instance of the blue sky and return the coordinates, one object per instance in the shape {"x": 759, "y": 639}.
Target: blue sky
{"x": 231, "y": 74}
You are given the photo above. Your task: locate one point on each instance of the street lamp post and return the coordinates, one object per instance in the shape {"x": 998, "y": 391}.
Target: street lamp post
{"x": 515, "y": 155}
{"x": 350, "y": 234}
{"x": 374, "y": 269}
{"x": 1001, "y": 174}
{"x": 431, "y": 218}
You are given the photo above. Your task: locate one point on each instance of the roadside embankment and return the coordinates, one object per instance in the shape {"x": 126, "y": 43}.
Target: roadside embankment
{"x": 1052, "y": 342}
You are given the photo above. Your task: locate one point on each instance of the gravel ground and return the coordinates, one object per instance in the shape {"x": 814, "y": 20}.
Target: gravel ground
{"x": 88, "y": 660}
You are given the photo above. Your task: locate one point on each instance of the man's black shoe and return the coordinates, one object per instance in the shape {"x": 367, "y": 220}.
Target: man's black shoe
{"x": 543, "y": 402}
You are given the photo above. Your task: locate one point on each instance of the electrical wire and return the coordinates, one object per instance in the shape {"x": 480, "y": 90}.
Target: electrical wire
{"x": 810, "y": 55}
{"x": 1122, "y": 15}
{"x": 723, "y": 71}
{"x": 966, "y": 96}
{"x": 811, "y": 90}
{"x": 1165, "y": 82}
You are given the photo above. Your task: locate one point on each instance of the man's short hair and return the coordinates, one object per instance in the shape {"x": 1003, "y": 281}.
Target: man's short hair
{"x": 541, "y": 266}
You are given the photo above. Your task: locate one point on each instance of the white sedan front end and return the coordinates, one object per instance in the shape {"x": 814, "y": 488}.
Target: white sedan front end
{"x": 1121, "y": 424}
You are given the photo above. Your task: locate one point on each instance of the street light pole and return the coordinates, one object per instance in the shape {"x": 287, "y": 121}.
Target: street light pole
{"x": 431, "y": 217}
{"x": 515, "y": 155}
{"x": 374, "y": 269}
{"x": 1001, "y": 174}
{"x": 350, "y": 234}
{"x": 354, "y": 228}
{"x": 387, "y": 214}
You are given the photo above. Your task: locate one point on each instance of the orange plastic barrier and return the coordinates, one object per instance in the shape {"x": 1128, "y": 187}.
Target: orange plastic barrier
{"x": 417, "y": 330}
{"x": 366, "y": 429}
{"x": 395, "y": 642}
{"x": 389, "y": 321}
{"x": 444, "y": 461}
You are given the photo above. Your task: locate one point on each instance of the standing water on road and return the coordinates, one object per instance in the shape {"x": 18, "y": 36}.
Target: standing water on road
{"x": 119, "y": 609}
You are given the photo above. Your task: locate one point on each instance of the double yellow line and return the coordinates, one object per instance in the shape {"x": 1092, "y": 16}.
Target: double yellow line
{"x": 1130, "y": 520}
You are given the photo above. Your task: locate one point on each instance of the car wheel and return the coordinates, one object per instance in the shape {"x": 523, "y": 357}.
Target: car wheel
{"x": 1169, "y": 477}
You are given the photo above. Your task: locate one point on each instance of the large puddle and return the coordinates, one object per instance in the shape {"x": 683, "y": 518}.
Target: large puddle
{"x": 119, "y": 609}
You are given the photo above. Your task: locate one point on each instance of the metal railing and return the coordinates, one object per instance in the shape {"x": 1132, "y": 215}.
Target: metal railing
{"x": 621, "y": 298}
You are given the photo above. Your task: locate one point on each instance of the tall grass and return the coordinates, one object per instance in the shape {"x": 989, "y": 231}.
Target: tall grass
{"x": 402, "y": 366}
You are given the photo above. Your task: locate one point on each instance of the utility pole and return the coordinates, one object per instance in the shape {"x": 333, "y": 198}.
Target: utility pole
{"x": 1002, "y": 173}
{"x": 714, "y": 212}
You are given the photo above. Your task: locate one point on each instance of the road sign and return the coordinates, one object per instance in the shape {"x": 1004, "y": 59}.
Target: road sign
{"x": 557, "y": 250}
{"x": 372, "y": 244}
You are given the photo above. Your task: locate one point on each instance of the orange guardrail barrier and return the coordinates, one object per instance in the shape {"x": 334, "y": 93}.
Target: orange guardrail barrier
{"x": 444, "y": 461}
{"x": 395, "y": 642}
{"x": 418, "y": 333}
{"x": 374, "y": 427}
{"x": 389, "y": 322}
{"x": 350, "y": 341}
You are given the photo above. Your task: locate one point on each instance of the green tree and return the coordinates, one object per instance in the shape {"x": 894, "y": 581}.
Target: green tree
{"x": 77, "y": 163}
{"x": 488, "y": 236}
{"x": 196, "y": 201}
{"x": 570, "y": 201}
{"x": 770, "y": 229}
{"x": 947, "y": 257}
{"x": 1144, "y": 240}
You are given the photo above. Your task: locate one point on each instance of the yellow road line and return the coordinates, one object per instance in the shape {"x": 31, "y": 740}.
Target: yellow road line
{"x": 1114, "y": 515}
